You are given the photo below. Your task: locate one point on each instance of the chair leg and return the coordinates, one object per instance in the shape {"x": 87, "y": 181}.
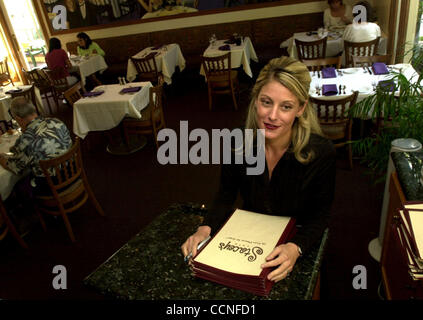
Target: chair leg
{"x": 68, "y": 226}
{"x": 48, "y": 104}
{"x": 15, "y": 233}
{"x": 40, "y": 217}
{"x": 350, "y": 155}
{"x": 92, "y": 196}
{"x": 210, "y": 98}
{"x": 233, "y": 97}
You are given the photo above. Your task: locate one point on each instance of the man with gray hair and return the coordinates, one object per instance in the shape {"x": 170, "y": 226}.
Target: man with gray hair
{"x": 41, "y": 139}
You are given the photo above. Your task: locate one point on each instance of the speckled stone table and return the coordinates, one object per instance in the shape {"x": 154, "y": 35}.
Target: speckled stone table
{"x": 408, "y": 166}
{"x": 151, "y": 266}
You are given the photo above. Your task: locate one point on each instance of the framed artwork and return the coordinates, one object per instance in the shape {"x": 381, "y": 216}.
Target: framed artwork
{"x": 70, "y": 15}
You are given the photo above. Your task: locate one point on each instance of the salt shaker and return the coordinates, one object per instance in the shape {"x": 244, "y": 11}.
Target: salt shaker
{"x": 120, "y": 80}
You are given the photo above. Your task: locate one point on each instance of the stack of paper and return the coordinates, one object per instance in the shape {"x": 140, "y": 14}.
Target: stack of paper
{"x": 410, "y": 233}
{"x": 234, "y": 255}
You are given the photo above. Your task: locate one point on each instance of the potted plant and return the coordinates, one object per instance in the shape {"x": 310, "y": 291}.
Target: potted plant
{"x": 400, "y": 116}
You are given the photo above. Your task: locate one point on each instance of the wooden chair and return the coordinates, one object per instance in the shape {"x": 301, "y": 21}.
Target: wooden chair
{"x": 73, "y": 94}
{"x": 147, "y": 69}
{"x": 39, "y": 78}
{"x": 152, "y": 118}
{"x": 5, "y": 77}
{"x": 367, "y": 61}
{"x": 319, "y": 64}
{"x": 58, "y": 80}
{"x": 7, "y": 225}
{"x": 307, "y": 50}
{"x": 368, "y": 48}
{"x": 29, "y": 94}
{"x": 221, "y": 79}
{"x": 69, "y": 186}
{"x": 335, "y": 123}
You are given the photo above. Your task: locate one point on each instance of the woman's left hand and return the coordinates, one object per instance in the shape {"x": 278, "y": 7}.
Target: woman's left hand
{"x": 283, "y": 257}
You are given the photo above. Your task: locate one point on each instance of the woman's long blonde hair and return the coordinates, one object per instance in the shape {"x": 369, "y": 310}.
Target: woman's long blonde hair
{"x": 295, "y": 76}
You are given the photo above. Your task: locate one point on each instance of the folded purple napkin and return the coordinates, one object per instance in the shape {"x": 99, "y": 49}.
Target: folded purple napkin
{"x": 92, "y": 93}
{"x": 157, "y": 47}
{"x": 130, "y": 89}
{"x": 226, "y": 47}
{"x": 380, "y": 68}
{"x": 14, "y": 91}
{"x": 328, "y": 73}
{"x": 387, "y": 85}
{"x": 329, "y": 90}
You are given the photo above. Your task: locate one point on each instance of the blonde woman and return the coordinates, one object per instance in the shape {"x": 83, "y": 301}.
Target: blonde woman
{"x": 299, "y": 177}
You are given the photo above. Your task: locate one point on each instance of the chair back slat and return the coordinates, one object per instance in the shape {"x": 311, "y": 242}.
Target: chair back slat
{"x": 28, "y": 94}
{"x": 5, "y": 77}
{"x": 307, "y": 50}
{"x": 57, "y": 76}
{"x": 319, "y": 64}
{"x": 217, "y": 66}
{"x": 368, "y": 48}
{"x": 73, "y": 94}
{"x": 367, "y": 61}
{"x": 146, "y": 67}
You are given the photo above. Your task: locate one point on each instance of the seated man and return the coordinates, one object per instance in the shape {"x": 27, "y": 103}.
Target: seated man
{"x": 41, "y": 139}
{"x": 363, "y": 31}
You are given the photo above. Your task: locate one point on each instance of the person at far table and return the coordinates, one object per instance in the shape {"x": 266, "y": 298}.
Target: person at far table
{"x": 299, "y": 176}
{"x": 57, "y": 57}
{"x": 41, "y": 139}
{"x": 337, "y": 15}
{"x": 363, "y": 31}
{"x": 88, "y": 47}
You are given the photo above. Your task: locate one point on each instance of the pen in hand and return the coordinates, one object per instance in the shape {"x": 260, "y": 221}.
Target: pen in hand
{"x": 200, "y": 245}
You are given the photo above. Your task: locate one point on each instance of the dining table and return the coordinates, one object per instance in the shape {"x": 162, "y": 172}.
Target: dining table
{"x": 364, "y": 80}
{"x": 6, "y": 100}
{"x": 87, "y": 65}
{"x": 241, "y": 54}
{"x": 167, "y": 58}
{"x": 106, "y": 106}
{"x": 7, "y": 178}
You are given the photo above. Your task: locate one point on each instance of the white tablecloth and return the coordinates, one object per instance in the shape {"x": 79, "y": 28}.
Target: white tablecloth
{"x": 7, "y": 178}
{"x": 6, "y": 100}
{"x": 106, "y": 111}
{"x": 88, "y": 66}
{"x": 334, "y": 45}
{"x": 355, "y": 79}
{"x": 168, "y": 57}
{"x": 240, "y": 55}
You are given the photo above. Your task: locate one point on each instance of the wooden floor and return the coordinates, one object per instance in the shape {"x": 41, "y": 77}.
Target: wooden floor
{"x": 134, "y": 189}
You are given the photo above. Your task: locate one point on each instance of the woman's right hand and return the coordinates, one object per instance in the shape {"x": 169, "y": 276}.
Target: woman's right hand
{"x": 190, "y": 245}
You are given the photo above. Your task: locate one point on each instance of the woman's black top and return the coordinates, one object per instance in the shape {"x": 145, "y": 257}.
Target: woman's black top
{"x": 302, "y": 191}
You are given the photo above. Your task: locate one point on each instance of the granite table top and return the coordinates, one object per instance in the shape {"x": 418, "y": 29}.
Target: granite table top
{"x": 151, "y": 267}
{"x": 409, "y": 169}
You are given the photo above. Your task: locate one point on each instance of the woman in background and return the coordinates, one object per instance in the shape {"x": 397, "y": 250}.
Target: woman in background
{"x": 57, "y": 57}
{"x": 88, "y": 47}
{"x": 337, "y": 15}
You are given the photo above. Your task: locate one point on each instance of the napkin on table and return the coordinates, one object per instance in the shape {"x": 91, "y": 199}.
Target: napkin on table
{"x": 329, "y": 90}
{"x": 225, "y": 47}
{"x": 150, "y": 55}
{"x": 387, "y": 85}
{"x": 92, "y": 93}
{"x": 130, "y": 89}
{"x": 328, "y": 72}
{"x": 157, "y": 47}
{"x": 380, "y": 68}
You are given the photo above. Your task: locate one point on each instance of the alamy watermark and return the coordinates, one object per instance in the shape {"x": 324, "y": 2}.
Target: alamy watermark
{"x": 199, "y": 153}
